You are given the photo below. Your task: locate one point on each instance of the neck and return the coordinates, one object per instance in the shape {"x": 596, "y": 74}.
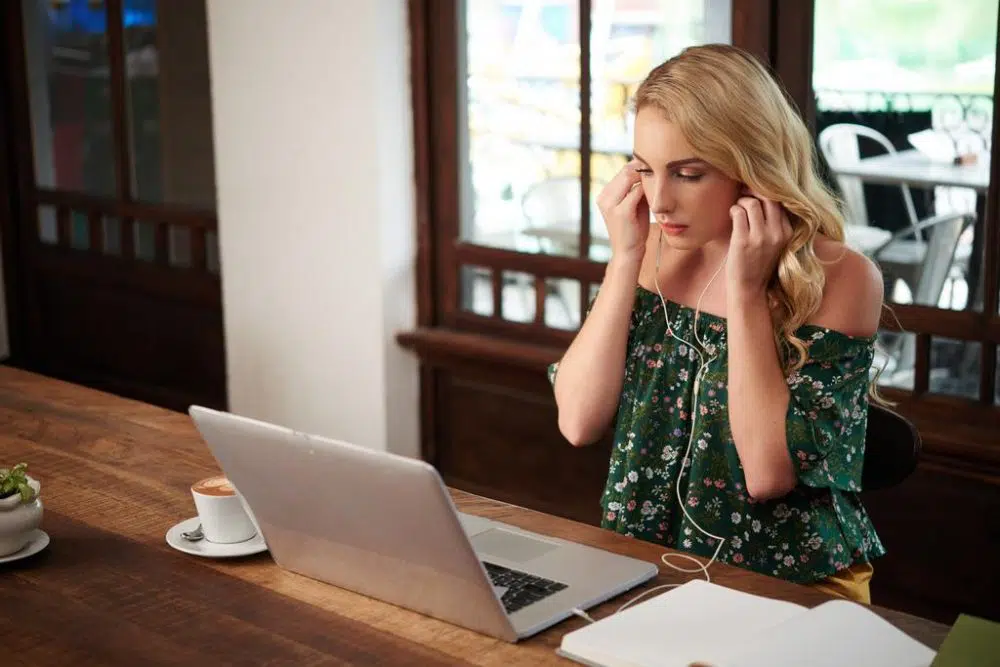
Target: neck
{"x": 708, "y": 257}
{"x": 714, "y": 253}
{"x": 707, "y": 260}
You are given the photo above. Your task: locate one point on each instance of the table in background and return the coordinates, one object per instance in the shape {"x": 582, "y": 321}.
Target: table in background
{"x": 109, "y": 591}
{"x": 913, "y": 168}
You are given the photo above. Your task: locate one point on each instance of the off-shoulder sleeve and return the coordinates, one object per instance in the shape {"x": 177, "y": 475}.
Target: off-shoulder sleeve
{"x": 552, "y": 370}
{"x": 828, "y": 411}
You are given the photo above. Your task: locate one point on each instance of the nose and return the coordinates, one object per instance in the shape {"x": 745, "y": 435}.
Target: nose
{"x": 661, "y": 200}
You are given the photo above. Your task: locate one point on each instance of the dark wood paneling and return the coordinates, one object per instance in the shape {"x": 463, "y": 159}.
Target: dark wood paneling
{"x": 505, "y": 443}
{"x": 9, "y": 206}
{"x": 942, "y": 534}
{"x": 165, "y": 351}
{"x": 155, "y": 281}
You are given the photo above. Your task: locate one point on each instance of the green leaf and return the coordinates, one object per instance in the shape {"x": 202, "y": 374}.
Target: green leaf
{"x": 27, "y": 493}
{"x": 15, "y": 480}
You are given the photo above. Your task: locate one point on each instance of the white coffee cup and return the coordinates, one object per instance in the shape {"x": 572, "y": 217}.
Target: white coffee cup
{"x": 224, "y": 520}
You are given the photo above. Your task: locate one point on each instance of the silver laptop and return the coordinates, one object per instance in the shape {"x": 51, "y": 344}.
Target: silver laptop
{"x": 384, "y": 525}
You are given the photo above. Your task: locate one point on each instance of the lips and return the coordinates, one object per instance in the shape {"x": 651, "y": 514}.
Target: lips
{"x": 673, "y": 227}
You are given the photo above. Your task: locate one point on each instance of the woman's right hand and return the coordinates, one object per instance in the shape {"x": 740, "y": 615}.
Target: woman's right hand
{"x": 626, "y": 214}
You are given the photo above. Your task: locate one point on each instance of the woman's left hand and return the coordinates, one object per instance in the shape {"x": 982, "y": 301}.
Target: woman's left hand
{"x": 761, "y": 229}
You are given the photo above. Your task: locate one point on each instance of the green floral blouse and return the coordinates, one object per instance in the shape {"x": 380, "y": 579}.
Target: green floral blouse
{"x": 818, "y": 528}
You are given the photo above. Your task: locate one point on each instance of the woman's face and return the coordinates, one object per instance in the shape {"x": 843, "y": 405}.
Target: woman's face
{"x": 689, "y": 198}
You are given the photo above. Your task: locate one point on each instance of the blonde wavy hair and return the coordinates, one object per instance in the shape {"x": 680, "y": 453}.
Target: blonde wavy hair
{"x": 739, "y": 119}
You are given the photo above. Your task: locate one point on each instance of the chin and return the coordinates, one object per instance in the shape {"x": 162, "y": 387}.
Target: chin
{"x": 683, "y": 241}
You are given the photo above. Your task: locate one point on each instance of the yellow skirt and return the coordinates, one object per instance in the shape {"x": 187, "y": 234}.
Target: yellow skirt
{"x": 851, "y": 584}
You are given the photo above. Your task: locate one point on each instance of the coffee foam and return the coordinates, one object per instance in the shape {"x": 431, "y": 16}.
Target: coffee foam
{"x": 214, "y": 486}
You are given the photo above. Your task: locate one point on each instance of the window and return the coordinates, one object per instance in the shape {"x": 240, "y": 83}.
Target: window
{"x": 120, "y": 117}
{"x": 894, "y": 112}
{"x": 522, "y": 115}
{"x": 540, "y": 124}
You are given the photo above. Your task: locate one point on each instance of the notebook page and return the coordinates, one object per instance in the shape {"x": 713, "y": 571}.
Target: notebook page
{"x": 833, "y": 634}
{"x": 698, "y": 621}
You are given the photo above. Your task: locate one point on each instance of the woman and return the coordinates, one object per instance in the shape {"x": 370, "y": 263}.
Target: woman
{"x": 731, "y": 341}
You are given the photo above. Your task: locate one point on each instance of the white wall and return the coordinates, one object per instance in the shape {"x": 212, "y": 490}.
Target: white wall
{"x": 313, "y": 148}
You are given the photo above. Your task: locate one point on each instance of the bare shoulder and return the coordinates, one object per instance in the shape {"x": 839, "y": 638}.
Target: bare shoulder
{"x": 853, "y": 295}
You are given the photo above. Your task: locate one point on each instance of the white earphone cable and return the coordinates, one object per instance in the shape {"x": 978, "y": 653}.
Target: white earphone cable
{"x": 702, "y": 367}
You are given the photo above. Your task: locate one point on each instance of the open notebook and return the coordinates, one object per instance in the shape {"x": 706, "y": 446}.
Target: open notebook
{"x": 704, "y": 623}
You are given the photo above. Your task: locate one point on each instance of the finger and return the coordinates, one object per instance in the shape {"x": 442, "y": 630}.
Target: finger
{"x": 642, "y": 210}
{"x": 775, "y": 216}
{"x": 772, "y": 212}
{"x": 755, "y": 218}
{"x": 630, "y": 202}
{"x": 741, "y": 224}
{"x": 618, "y": 187}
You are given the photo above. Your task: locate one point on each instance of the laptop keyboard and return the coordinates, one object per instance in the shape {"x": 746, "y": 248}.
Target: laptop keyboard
{"x": 522, "y": 588}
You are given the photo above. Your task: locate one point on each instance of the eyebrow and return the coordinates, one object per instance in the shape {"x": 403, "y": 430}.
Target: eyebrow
{"x": 675, "y": 163}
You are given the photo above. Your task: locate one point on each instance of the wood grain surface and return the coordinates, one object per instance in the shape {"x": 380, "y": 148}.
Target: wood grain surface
{"x": 108, "y": 590}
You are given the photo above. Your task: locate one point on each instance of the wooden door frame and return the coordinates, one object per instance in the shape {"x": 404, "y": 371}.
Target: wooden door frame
{"x": 791, "y": 52}
{"x": 780, "y": 33}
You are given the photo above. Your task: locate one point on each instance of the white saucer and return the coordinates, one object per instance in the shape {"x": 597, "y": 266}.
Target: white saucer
{"x": 39, "y": 540}
{"x": 254, "y": 545}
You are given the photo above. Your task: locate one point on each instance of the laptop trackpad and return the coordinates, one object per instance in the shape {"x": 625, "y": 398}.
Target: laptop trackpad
{"x": 510, "y": 546}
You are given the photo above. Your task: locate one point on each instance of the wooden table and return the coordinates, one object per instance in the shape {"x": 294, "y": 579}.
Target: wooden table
{"x": 109, "y": 591}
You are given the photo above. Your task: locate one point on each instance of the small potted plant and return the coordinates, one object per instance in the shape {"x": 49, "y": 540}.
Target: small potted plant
{"x": 20, "y": 508}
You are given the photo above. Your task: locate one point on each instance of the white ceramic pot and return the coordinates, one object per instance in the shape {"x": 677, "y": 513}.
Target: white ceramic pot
{"x": 18, "y": 519}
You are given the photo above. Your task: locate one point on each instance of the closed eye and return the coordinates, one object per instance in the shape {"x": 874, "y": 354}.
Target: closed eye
{"x": 691, "y": 178}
